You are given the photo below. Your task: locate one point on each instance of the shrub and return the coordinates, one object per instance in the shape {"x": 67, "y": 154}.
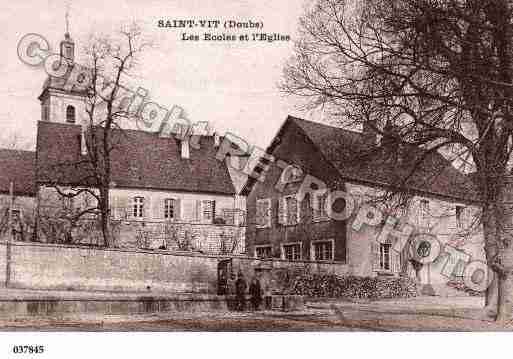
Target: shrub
{"x": 333, "y": 286}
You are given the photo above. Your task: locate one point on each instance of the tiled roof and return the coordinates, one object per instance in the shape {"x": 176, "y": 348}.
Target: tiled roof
{"x": 59, "y": 84}
{"x": 18, "y": 167}
{"x": 139, "y": 160}
{"x": 354, "y": 159}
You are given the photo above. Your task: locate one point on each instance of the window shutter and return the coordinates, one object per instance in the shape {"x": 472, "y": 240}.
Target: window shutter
{"x": 114, "y": 207}
{"x": 197, "y": 210}
{"x": 157, "y": 205}
{"x": 396, "y": 261}
{"x": 123, "y": 207}
{"x": 281, "y": 210}
{"x": 294, "y": 211}
{"x": 146, "y": 208}
{"x": 316, "y": 206}
{"x": 467, "y": 217}
{"x": 267, "y": 212}
{"x": 326, "y": 208}
{"x": 260, "y": 213}
{"x": 375, "y": 255}
{"x": 178, "y": 209}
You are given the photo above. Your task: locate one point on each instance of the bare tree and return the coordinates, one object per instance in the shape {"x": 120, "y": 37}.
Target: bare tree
{"x": 178, "y": 236}
{"x": 111, "y": 61}
{"x": 437, "y": 72}
{"x": 230, "y": 240}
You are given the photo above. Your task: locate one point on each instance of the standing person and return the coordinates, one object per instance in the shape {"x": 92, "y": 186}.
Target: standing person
{"x": 240, "y": 288}
{"x": 255, "y": 291}
{"x": 231, "y": 292}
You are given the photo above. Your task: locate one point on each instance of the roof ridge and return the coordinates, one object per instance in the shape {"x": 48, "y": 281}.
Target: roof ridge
{"x": 297, "y": 119}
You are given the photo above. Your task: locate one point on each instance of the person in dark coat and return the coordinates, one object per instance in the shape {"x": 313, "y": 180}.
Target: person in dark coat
{"x": 231, "y": 292}
{"x": 240, "y": 292}
{"x": 255, "y": 291}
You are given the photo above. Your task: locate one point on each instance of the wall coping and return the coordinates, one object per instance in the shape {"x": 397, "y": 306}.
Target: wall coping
{"x": 169, "y": 253}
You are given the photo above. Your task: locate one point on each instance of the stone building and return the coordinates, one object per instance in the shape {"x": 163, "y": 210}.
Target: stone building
{"x": 437, "y": 199}
{"x": 164, "y": 191}
{"x": 17, "y": 192}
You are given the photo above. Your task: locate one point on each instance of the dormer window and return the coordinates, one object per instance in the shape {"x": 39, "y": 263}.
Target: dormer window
{"x": 291, "y": 173}
{"x": 70, "y": 114}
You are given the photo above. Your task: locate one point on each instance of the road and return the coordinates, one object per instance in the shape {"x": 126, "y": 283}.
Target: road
{"x": 418, "y": 314}
{"x": 270, "y": 321}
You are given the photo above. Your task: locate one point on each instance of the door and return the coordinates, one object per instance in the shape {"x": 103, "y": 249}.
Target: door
{"x": 224, "y": 272}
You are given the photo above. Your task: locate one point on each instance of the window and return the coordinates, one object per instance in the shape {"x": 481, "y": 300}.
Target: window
{"x": 289, "y": 210}
{"x": 138, "y": 207}
{"x": 263, "y": 252}
{"x": 323, "y": 250}
{"x": 291, "y": 252}
{"x": 424, "y": 208}
{"x": 67, "y": 203}
{"x": 291, "y": 173}
{"x": 459, "y": 216}
{"x": 263, "y": 213}
{"x": 319, "y": 210}
{"x": 46, "y": 113}
{"x": 169, "y": 208}
{"x": 209, "y": 210}
{"x": 15, "y": 214}
{"x": 70, "y": 114}
{"x": 384, "y": 256}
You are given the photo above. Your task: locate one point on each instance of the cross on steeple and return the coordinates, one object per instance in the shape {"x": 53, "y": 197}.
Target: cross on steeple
{"x": 67, "y": 19}
{"x": 67, "y": 45}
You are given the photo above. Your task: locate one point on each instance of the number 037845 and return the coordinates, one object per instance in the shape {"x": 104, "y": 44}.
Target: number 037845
{"x": 28, "y": 349}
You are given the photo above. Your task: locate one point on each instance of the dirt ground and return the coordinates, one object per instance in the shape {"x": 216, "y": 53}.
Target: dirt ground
{"x": 417, "y": 314}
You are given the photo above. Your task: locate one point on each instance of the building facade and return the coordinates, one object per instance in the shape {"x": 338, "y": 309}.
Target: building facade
{"x": 17, "y": 194}
{"x": 164, "y": 192}
{"x": 289, "y": 219}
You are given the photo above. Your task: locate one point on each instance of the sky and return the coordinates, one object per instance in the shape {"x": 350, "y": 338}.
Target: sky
{"x": 233, "y": 86}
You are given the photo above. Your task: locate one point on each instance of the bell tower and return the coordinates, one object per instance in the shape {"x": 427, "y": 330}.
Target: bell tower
{"x": 58, "y": 102}
{"x": 67, "y": 46}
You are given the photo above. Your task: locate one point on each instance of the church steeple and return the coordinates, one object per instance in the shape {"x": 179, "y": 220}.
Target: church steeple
{"x": 58, "y": 102}
{"x": 67, "y": 45}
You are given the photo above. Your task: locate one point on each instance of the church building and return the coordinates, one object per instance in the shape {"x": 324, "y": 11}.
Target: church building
{"x": 163, "y": 191}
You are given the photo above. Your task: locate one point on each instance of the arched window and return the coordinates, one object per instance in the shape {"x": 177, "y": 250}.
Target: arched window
{"x": 70, "y": 114}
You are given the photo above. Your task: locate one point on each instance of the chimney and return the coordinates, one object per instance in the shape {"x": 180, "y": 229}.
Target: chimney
{"x": 370, "y": 135}
{"x": 216, "y": 140}
{"x": 184, "y": 148}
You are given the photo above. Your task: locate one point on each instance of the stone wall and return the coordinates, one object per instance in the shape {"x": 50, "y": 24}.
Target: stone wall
{"x": 52, "y": 266}
{"x": 44, "y": 266}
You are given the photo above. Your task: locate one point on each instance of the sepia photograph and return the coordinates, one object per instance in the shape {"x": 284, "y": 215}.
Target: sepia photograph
{"x": 178, "y": 171}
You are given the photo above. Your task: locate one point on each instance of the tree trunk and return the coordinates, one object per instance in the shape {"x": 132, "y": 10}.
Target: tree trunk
{"x": 505, "y": 302}
{"x": 504, "y": 261}
{"x": 490, "y": 237}
{"x": 105, "y": 217}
